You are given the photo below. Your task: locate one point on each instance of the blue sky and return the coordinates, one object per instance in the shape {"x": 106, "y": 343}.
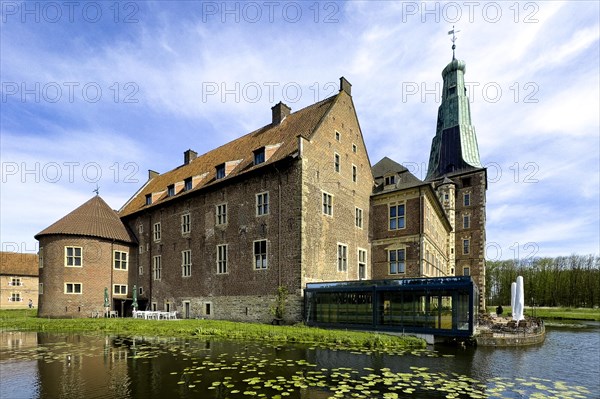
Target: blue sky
{"x": 98, "y": 92}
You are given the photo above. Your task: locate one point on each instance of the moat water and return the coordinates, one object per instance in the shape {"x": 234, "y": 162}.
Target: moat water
{"x": 43, "y": 365}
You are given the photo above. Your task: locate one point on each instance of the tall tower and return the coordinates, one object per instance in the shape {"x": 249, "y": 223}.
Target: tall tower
{"x": 455, "y": 157}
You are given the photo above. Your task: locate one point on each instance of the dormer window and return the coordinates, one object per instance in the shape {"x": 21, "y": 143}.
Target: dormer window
{"x": 148, "y": 199}
{"x": 259, "y": 156}
{"x": 221, "y": 171}
{"x": 171, "y": 190}
{"x": 187, "y": 184}
{"x": 389, "y": 180}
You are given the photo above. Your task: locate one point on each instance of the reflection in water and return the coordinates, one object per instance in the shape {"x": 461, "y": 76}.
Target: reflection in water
{"x": 42, "y": 365}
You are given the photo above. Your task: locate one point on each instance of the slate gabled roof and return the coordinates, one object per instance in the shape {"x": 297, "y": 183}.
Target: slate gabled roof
{"x": 300, "y": 123}
{"x": 93, "y": 219}
{"x": 386, "y": 166}
{"x": 405, "y": 179}
{"x": 19, "y": 264}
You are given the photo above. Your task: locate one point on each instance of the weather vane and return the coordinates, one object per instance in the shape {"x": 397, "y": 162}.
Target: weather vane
{"x": 453, "y": 32}
{"x": 97, "y": 190}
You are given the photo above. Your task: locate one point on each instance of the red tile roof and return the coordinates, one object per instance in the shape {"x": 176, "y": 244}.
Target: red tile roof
{"x": 18, "y": 264}
{"x": 94, "y": 219}
{"x": 300, "y": 123}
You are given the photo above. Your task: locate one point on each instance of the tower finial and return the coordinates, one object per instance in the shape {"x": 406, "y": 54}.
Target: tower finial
{"x": 453, "y": 33}
{"x": 97, "y": 189}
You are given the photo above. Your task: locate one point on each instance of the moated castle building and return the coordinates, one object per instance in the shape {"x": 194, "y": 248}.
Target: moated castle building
{"x": 293, "y": 202}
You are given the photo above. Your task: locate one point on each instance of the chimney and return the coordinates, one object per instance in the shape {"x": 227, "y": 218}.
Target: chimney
{"x": 280, "y": 111}
{"x": 345, "y": 86}
{"x": 189, "y": 156}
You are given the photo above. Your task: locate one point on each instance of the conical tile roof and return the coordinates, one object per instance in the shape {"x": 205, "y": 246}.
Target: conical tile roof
{"x": 94, "y": 219}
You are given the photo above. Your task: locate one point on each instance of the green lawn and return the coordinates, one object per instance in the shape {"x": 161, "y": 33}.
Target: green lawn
{"x": 557, "y": 313}
{"x": 27, "y": 320}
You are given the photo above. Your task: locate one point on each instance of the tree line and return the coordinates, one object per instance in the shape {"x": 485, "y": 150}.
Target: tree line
{"x": 568, "y": 281}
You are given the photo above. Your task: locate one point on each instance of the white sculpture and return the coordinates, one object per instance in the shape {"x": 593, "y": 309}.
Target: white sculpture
{"x": 513, "y": 293}
{"x": 519, "y": 300}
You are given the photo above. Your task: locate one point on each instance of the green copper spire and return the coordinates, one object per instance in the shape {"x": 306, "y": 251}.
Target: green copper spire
{"x": 454, "y": 148}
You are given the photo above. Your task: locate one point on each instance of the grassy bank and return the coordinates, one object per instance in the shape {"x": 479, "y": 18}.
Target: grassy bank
{"x": 26, "y": 320}
{"x": 557, "y": 313}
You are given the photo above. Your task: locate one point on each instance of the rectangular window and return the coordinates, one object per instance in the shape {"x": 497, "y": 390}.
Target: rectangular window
{"x": 120, "y": 260}
{"x": 466, "y": 271}
{"x": 397, "y": 261}
{"x": 358, "y": 218}
{"x": 336, "y": 162}
{"x": 467, "y": 199}
{"x": 141, "y": 270}
{"x": 222, "y": 259}
{"x": 148, "y": 199}
{"x": 171, "y": 190}
{"x": 73, "y": 256}
{"x": 141, "y": 249}
{"x": 187, "y": 184}
{"x": 220, "y": 171}
{"x": 259, "y": 156}
{"x": 354, "y": 148}
{"x": 396, "y": 217}
{"x": 140, "y": 228}
{"x": 41, "y": 289}
{"x": 141, "y": 290}
{"x": 186, "y": 263}
{"x": 15, "y": 282}
{"x": 260, "y": 254}
{"x": 41, "y": 257}
{"x": 157, "y": 267}
{"x": 186, "y": 226}
{"x": 73, "y": 288}
{"x": 221, "y": 212}
{"x": 262, "y": 204}
{"x": 342, "y": 257}
{"x": 466, "y": 246}
{"x": 119, "y": 289}
{"x": 466, "y": 221}
{"x": 327, "y": 204}
{"x": 354, "y": 173}
{"x": 390, "y": 180}
{"x": 15, "y": 297}
{"x": 157, "y": 231}
{"x": 362, "y": 264}
{"x": 337, "y": 136}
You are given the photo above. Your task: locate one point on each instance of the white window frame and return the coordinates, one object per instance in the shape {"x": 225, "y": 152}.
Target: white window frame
{"x": 338, "y": 136}
{"x": 186, "y": 263}
{"x": 120, "y": 288}
{"x": 157, "y": 267}
{"x": 140, "y": 290}
{"x": 120, "y": 260}
{"x": 466, "y": 221}
{"x": 397, "y": 261}
{"x": 354, "y": 148}
{"x": 342, "y": 257}
{"x": 326, "y": 203}
{"x": 221, "y": 258}
{"x": 15, "y": 297}
{"x": 221, "y": 214}
{"x": 261, "y": 260}
{"x": 358, "y": 217}
{"x": 362, "y": 261}
{"x": 262, "y": 203}
{"x": 73, "y": 286}
{"x": 186, "y": 223}
{"x": 467, "y": 199}
{"x": 396, "y": 218}
{"x": 141, "y": 271}
{"x": 466, "y": 246}
{"x": 80, "y": 256}
{"x": 15, "y": 282}
{"x": 156, "y": 232}
{"x": 466, "y": 270}
{"x": 140, "y": 228}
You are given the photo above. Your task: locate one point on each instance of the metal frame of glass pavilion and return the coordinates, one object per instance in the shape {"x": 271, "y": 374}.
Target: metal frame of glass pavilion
{"x": 443, "y": 306}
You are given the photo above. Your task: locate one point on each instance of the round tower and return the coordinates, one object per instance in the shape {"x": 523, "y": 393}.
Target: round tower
{"x": 84, "y": 262}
